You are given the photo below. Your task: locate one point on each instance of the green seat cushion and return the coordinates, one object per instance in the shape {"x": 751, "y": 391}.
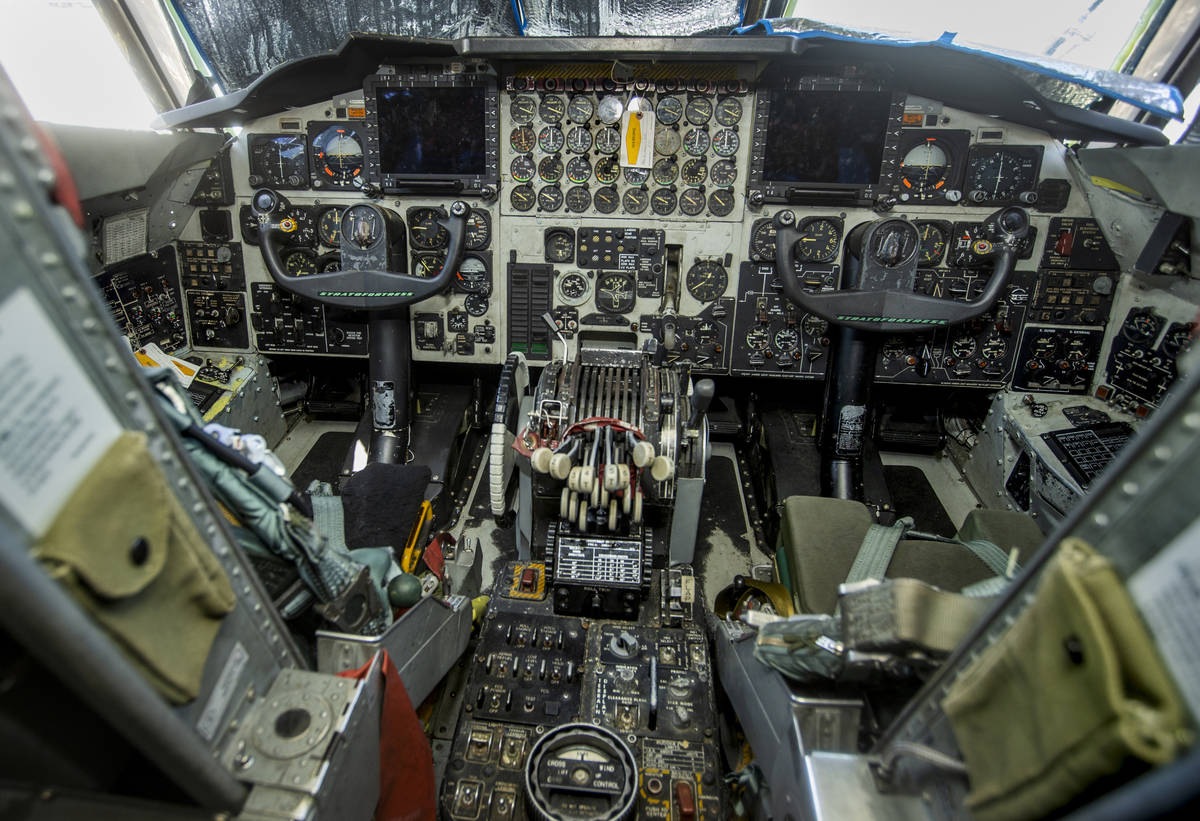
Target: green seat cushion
{"x": 820, "y": 538}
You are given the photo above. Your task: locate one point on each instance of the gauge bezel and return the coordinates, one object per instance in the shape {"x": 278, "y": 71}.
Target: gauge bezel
{"x": 441, "y": 237}
{"x": 947, "y": 230}
{"x": 551, "y": 234}
{"x": 270, "y": 178}
{"x": 295, "y": 253}
{"x": 623, "y": 308}
{"x": 827, "y": 256}
{"x": 483, "y": 286}
{"x": 329, "y": 241}
{"x": 693, "y": 286}
{"x": 565, "y": 299}
{"x": 317, "y": 130}
{"x": 954, "y": 145}
{"x": 980, "y": 153}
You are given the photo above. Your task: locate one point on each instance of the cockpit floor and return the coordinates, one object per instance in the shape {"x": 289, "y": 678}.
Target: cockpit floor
{"x": 728, "y": 541}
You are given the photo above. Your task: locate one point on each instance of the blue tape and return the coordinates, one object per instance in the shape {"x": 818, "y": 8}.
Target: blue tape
{"x": 518, "y": 8}
{"x": 946, "y": 42}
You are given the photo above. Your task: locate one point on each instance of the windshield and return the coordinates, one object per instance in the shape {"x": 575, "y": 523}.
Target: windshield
{"x": 1094, "y": 33}
{"x": 242, "y": 39}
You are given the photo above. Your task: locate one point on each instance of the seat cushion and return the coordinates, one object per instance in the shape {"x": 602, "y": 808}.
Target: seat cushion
{"x": 819, "y": 539}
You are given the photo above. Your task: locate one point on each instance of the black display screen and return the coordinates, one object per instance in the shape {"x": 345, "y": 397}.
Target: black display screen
{"x": 431, "y": 131}
{"x": 827, "y": 137}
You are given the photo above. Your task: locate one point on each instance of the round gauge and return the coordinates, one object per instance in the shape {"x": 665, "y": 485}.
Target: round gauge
{"x": 328, "y": 263}
{"x": 665, "y": 171}
{"x": 636, "y": 176}
{"x": 279, "y": 161}
{"x": 669, "y": 110}
{"x": 550, "y": 139}
{"x": 329, "y": 226}
{"x": 579, "y": 140}
{"x": 994, "y": 348}
{"x": 523, "y": 139}
{"x": 963, "y": 346}
{"x": 573, "y": 288}
{"x": 818, "y": 241}
{"x": 723, "y": 173}
{"x": 707, "y": 333}
{"x": 337, "y": 155}
{"x": 473, "y": 276}
{"x": 933, "y": 243}
{"x": 615, "y": 293}
{"x": 608, "y": 140}
{"x": 579, "y": 170}
{"x": 721, "y": 202}
{"x": 1045, "y": 345}
{"x": 522, "y": 197}
{"x": 758, "y": 338}
{"x": 999, "y": 174}
{"x": 578, "y": 199}
{"x": 725, "y": 142}
{"x": 666, "y": 141}
{"x": 610, "y": 110}
{"x": 550, "y": 168}
{"x": 426, "y": 266}
{"x": 691, "y": 201}
{"x": 786, "y": 340}
{"x": 1078, "y": 348}
{"x": 552, "y": 108}
{"x": 607, "y": 170}
{"x": 1141, "y": 328}
{"x": 706, "y": 281}
{"x": 580, "y": 109}
{"x": 560, "y": 245}
{"x": 522, "y": 168}
{"x": 895, "y": 244}
{"x": 550, "y": 198}
{"x": 361, "y": 225}
{"x": 522, "y": 109}
{"x": 1177, "y": 340}
{"x": 479, "y": 230}
{"x": 606, "y": 200}
{"x": 427, "y": 233}
{"x": 476, "y": 304}
{"x": 635, "y": 200}
{"x": 924, "y": 170}
{"x": 695, "y": 172}
{"x": 300, "y": 262}
{"x": 814, "y": 326}
{"x": 729, "y": 111}
{"x": 695, "y": 142}
{"x": 762, "y": 241}
{"x": 662, "y": 201}
{"x": 699, "y": 110}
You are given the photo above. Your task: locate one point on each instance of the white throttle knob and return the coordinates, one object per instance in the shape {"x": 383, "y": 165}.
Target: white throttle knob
{"x": 540, "y": 459}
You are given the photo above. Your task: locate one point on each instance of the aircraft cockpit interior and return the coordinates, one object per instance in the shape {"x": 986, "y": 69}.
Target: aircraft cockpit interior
{"x": 592, "y": 412}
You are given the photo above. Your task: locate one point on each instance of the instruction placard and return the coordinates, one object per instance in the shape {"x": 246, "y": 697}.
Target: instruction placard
{"x": 1167, "y": 592}
{"x": 54, "y": 425}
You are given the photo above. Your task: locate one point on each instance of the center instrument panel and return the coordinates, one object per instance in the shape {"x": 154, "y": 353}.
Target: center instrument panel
{"x": 635, "y": 204}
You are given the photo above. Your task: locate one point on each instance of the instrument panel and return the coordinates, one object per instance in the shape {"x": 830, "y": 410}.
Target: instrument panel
{"x": 636, "y": 204}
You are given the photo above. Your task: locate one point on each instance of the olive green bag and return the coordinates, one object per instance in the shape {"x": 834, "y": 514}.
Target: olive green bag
{"x": 1072, "y": 693}
{"x": 127, "y": 550}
